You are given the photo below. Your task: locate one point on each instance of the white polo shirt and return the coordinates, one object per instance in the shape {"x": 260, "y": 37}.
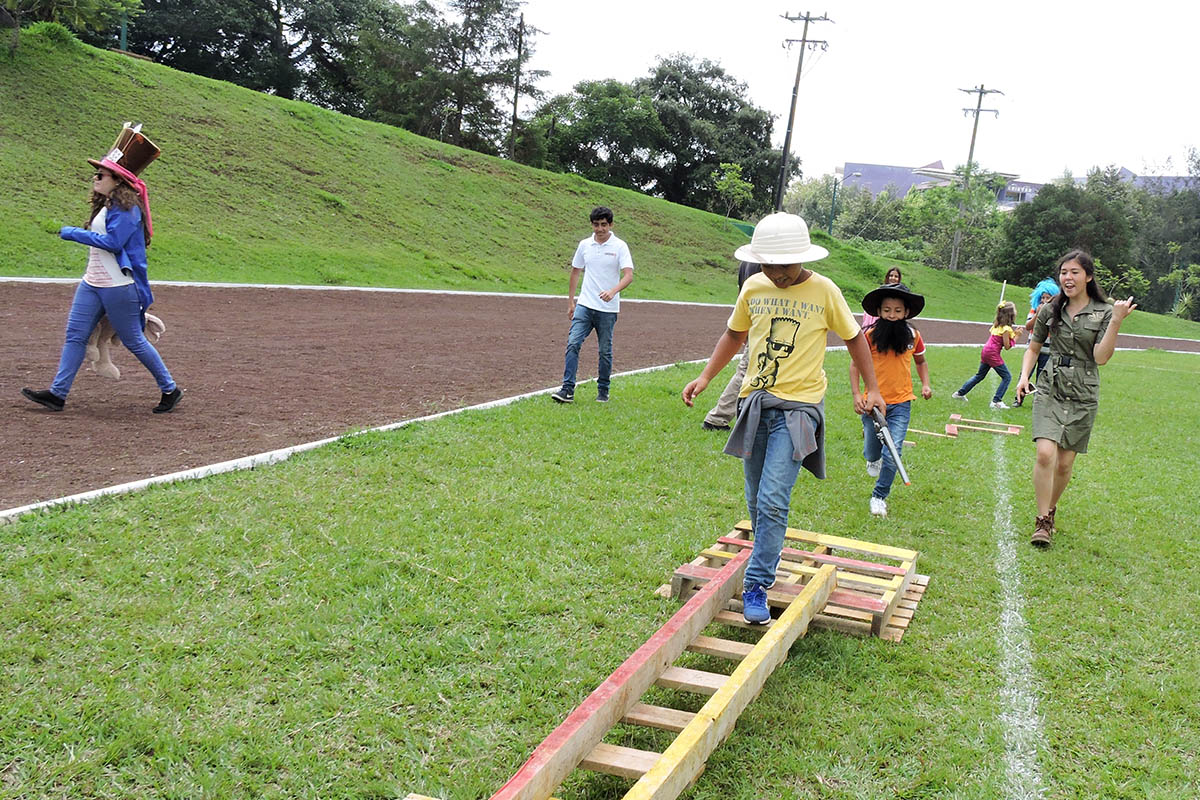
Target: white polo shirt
{"x": 601, "y": 265}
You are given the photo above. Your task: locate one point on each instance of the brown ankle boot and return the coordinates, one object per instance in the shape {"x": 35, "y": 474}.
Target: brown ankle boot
{"x": 1042, "y": 528}
{"x": 1053, "y": 527}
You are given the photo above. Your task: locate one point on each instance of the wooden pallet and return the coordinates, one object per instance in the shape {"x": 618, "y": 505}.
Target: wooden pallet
{"x": 875, "y": 597}
{"x": 579, "y": 741}
{"x": 986, "y": 425}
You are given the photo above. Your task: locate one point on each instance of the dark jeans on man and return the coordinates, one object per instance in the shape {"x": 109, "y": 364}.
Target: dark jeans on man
{"x": 582, "y": 323}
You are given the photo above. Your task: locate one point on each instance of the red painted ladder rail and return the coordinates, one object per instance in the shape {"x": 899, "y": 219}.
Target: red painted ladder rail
{"x": 578, "y": 741}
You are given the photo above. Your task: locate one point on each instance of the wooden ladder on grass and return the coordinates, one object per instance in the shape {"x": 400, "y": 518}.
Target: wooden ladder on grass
{"x": 579, "y": 741}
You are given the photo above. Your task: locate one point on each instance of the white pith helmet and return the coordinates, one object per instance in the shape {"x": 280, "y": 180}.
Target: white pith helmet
{"x": 780, "y": 239}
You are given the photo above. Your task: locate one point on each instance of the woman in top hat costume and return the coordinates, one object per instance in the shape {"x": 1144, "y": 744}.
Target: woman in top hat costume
{"x": 115, "y": 283}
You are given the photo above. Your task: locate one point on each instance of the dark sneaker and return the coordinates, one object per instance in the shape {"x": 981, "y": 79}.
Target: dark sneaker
{"x": 43, "y": 397}
{"x": 754, "y": 605}
{"x": 563, "y": 396}
{"x": 601, "y": 397}
{"x": 169, "y": 401}
{"x": 1042, "y": 529}
{"x": 708, "y": 426}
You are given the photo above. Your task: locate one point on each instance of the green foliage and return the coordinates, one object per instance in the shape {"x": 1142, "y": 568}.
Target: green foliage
{"x": 666, "y": 134}
{"x": 733, "y": 190}
{"x": 80, "y": 15}
{"x": 1061, "y": 218}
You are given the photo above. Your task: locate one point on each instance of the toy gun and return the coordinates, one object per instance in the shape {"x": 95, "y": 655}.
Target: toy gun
{"x": 885, "y": 436}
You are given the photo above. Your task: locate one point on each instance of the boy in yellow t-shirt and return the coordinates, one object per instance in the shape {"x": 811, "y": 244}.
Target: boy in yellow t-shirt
{"x": 895, "y": 346}
{"x": 784, "y": 314}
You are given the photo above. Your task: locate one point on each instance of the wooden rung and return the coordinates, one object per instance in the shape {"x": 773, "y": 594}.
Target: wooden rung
{"x": 782, "y": 594}
{"x": 736, "y": 620}
{"x": 613, "y": 759}
{"x": 842, "y": 543}
{"x": 691, "y": 680}
{"x": 961, "y": 418}
{"x": 667, "y": 719}
{"x": 721, "y": 648}
{"x": 928, "y": 433}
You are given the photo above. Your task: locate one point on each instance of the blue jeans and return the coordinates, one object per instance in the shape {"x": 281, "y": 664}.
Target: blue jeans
{"x": 1001, "y": 370}
{"x": 770, "y": 475}
{"x": 896, "y": 417}
{"x": 124, "y": 312}
{"x": 582, "y": 323}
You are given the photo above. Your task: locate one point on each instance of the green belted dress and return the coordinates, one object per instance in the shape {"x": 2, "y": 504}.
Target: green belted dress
{"x": 1068, "y": 394}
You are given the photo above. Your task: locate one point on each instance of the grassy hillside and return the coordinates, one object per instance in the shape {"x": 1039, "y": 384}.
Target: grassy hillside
{"x": 256, "y": 189}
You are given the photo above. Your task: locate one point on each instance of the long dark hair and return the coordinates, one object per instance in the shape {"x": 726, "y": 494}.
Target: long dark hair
{"x": 122, "y": 195}
{"x": 1084, "y": 259}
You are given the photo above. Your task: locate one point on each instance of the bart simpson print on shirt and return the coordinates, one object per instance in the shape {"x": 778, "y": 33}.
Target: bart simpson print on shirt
{"x": 781, "y": 341}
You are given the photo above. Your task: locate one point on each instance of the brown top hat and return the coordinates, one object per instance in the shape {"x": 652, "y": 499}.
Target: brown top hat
{"x": 132, "y": 151}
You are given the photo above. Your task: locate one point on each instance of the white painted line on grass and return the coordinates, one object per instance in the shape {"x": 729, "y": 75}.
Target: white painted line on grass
{"x": 275, "y": 456}
{"x": 1018, "y": 697}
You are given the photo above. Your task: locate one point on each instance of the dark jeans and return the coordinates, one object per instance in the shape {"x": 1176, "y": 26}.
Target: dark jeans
{"x": 1001, "y": 370}
{"x": 582, "y": 323}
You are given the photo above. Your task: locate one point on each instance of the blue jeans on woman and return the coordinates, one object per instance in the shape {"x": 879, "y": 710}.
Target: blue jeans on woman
{"x": 121, "y": 305}
{"x": 1001, "y": 370}
{"x": 770, "y": 475}
{"x": 583, "y": 321}
{"x": 896, "y": 417}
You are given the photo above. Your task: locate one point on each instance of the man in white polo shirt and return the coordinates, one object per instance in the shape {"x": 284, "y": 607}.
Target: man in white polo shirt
{"x": 607, "y": 268}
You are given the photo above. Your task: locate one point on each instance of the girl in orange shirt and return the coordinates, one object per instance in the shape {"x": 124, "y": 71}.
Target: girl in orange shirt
{"x": 895, "y": 346}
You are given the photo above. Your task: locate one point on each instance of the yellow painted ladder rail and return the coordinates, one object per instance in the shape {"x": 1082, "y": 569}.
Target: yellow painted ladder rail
{"x": 578, "y": 741}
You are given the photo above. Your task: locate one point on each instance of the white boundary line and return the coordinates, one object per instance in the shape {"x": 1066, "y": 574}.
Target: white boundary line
{"x": 386, "y": 290}
{"x": 1022, "y": 723}
{"x": 275, "y": 456}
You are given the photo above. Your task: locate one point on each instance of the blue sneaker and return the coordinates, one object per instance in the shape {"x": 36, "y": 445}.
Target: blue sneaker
{"x": 754, "y": 604}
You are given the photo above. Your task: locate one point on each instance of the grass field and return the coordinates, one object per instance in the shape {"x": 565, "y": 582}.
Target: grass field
{"x": 416, "y": 610}
{"x": 252, "y": 188}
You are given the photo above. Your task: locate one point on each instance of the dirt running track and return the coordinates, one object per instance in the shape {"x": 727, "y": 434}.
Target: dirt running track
{"x": 264, "y": 369}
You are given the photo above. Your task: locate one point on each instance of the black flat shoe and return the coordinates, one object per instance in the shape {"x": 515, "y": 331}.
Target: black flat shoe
{"x": 169, "y": 401}
{"x": 44, "y": 397}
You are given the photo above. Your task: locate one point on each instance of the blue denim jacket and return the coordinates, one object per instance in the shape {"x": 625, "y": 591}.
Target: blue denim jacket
{"x": 123, "y": 237}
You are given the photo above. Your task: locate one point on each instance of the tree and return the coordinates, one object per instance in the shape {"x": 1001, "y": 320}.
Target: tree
{"x": 733, "y": 190}
{"x": 79, "y": 15}
{"x": 1061, "y": 217}
{"x": 292, "y": 48}
{"x": 708, "y": 121}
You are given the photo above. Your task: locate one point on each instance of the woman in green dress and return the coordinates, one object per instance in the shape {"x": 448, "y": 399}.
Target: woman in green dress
{"x": 1082, "y": 325}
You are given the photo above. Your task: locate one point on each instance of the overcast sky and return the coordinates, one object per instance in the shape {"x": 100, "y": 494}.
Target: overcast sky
{"x": 1085, "y": 83}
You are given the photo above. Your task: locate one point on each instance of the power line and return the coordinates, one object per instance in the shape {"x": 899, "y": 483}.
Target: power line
{"x": 805, "y": 43}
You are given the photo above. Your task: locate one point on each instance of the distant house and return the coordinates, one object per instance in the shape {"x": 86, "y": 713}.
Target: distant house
{"x": 877, "y": 177}
{"x": 1158, "y": 184}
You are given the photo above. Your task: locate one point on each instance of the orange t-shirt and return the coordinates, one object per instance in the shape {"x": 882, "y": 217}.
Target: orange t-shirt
{"x": 893, "y": 372}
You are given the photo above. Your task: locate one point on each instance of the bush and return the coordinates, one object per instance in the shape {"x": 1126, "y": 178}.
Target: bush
{"x": 52, "y": 33}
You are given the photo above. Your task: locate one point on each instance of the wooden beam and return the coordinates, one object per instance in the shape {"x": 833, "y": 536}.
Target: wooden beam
{"x": 842, "y": 543}
{"x": 667, "y": 719}
{"x": 721, "y": 648}
{"x": 685, "y": 758}
{"x": 961, "y": 418}
{"x": 691, "y": 680}
{"x": 624, "y": 762}
{"x": 584, "y": 727}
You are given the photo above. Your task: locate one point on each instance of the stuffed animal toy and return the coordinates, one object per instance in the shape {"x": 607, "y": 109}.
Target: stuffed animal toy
{"x": 99, "y": 346}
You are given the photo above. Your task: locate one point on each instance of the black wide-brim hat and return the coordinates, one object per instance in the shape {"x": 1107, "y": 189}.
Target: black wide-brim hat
{"x": 912, "y": 301}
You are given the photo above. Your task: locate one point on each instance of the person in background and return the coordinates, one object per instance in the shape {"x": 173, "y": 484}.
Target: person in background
{"x": 116, "y": 283}
{"x": 892, "y": 278}
{"x": 1001, "y": 336}
{"x": 607, "y": 267}
{"x": 726, "y": 408}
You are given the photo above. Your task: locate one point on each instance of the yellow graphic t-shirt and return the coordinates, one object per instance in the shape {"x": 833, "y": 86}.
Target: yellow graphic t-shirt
{"x": 787, "y": 331}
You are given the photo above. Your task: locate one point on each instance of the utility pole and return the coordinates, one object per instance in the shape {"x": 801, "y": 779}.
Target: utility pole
{"x": 512, "y": 134}
{"x": 970, "y": 160}
{"x": 787, "y": 139}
